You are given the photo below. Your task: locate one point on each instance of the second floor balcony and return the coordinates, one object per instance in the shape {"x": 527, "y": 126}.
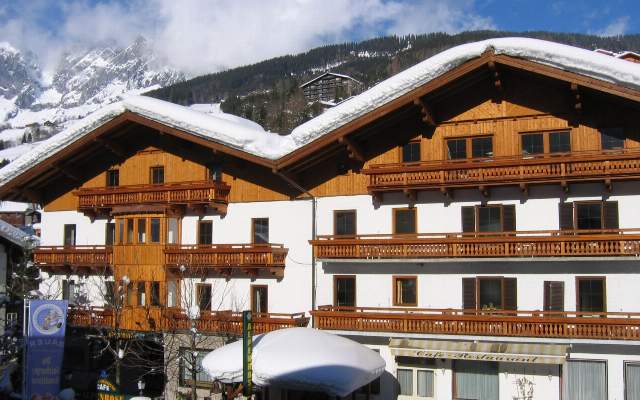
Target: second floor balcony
{"x": 502, "y": 171}
{"x": 74, "y": 259}
{"x": 227, "y": 259}
{"x": 198, "y": 195}
{"x": 519, "y": 244}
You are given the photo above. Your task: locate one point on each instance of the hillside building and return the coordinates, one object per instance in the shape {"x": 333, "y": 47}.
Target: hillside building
{"x": 473, "y": 218}
{"x": 331, "y": 88}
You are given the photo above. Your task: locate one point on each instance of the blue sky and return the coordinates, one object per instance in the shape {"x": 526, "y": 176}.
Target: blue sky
{"x": 206, "y": 35}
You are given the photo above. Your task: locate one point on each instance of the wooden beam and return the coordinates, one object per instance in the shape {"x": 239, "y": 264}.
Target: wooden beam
{"x": 426, "y": 112}
{"x": 577, "y": 98}
{"x": 497, "y": 82}
{"x": 484, "y": 190}
{"x": 354, "y": 151}
{"x": 608, "y": 185}
{"x": 565, "y": 186}
{"x": 446, "y": 192}
{"x": 524, "y": 188}
{"x": 411, "y": 194}
{"x": 66, "y": 171}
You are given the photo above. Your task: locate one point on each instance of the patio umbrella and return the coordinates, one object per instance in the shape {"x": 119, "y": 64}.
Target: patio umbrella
{"x": 299, "y": 358}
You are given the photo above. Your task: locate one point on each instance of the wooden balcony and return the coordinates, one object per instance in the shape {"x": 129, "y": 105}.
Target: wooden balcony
{"x": 501, "y": 171}
{"x": 565, "y": 325}
{"x": 175, "y": 320}
{"x": 530, "y": 244}
{"x": 74, "y": 259}
{"x": 228, "y": 259}
{"x": 195, "y": 195}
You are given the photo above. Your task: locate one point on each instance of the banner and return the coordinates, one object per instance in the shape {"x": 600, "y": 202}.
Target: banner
{"x": 45, "y": 348}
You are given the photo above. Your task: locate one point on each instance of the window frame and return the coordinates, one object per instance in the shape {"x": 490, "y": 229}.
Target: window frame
{"x": 410, "y": 143}
{"x": 601, "y": 278}
{"x": 199, "y": 287}
{"x": 253, "y": 231}
{"x": 153, "y": 300}
{"x": 601, "y": 134}
{"x": 414, "y": 372}
{"x": 200, "y": 224}
{"x": 355, "y": 222}
{"x": 144, "y": 224}
{"x": 152, "y": 175}
{"x": 335, "y": 289}
{"x": 183, "y": 381}
{"x": 394, "y": 281}
{"x": 415, "y": 220}
{"x": 109, "y": 240}
{"x": 110, "y": 174}
{"x": 624, "y": 373}
{"x": 546, "y": 142}
{"x": 150, "y": 239}
{"x": 468, "y": 147}
{"x": 476, "y": 217}
{"x": 252, "y": 297}
{"x": 74, "y": 229}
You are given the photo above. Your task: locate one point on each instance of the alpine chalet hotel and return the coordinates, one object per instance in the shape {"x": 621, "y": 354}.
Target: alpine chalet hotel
{"x": 473, "y": 218}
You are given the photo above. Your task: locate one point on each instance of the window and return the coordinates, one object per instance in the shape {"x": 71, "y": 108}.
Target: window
{"x": 142, "y": 230}
{"x": 204, "y": 296}
{"x": 457, "y": 149}
{"x": 155, "y": 294}
{"x": 214, "y": 172}
{"x": 489, "y": 293}
{"x": 632, "y": 380}
{"x": 491, "y": 218}
{"x": 130, "y": 295}
{"x": 191, "y": 362}
{"x": 560, "y": 142}
{"x": 344, "y": 222}
{"x": 155, "y": 230}
{"x": 482, "y": 147}
{"x": 260, "y": 230}
{"x": 110, "y": 234}
{"x": 414, "y": 380}
{"x": 172, "y": 293}
{"x": 553, "y": 296}
{"x": 476, "y": 380}
{"x": 411, "y": 152}
{"x": 129, "y": 230}
{"x": 70, "y": 234}
{"x": 142, "y": 294}
{"x": 157, "y": 175}
{"x": 121, "y": 231}
{"x": 589, "y": 215}
{"x": 344, "y": 291}
{"x": 205, "y": 232}
{"x": 405, "y": 291}
{"x": 532, "y": 143}
{"x": 612, "y": 138}
{"x": 404, "y": 220}
{"x": 69, "y": 290}
{"x": 584, "y": 379}
{"x": 172, "y": 230}
{"x": 591, "y": 294}
{"x": 259, "y": 299}
{"x": 113, "y": 177}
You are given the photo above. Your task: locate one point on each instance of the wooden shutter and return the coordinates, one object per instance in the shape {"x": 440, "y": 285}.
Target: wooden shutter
{"x": 553, "y": 296}
{"x": 510, "y": 290}
{"x": 610, "y": 214}
{"x": 469, "y": 293}
{"x": 468, "y": 219}
{"x": 566, "y": 216}
{"x": 509, "y": 218}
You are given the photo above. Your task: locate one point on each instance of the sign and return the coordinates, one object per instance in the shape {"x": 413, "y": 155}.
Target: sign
{"x": 108, "y": 390}
{"x": 247, "y": 350}
{"x": 480, "y": 356}
{"x": 45, "y": 347}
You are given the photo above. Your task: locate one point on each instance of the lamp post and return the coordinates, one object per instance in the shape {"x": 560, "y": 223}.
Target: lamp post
{"x": 141, "y": 385}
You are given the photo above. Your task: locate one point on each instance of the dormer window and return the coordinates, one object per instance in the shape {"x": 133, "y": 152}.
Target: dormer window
{"x": 113, "y": 177}
{"x": 157, "y": 175}
{"x": 411, "y": 152}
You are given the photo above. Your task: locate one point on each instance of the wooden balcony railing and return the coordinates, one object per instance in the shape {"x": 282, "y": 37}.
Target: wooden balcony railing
{"x": 584, "y": 243}
{"x": 500, "y": 171}
{"x": 63, "y": 259}
{"x": 227, "y": 259}
{"x": 175, "y": 320}
{"x": 570, "y": 325}
{"x": 199, "y": 193}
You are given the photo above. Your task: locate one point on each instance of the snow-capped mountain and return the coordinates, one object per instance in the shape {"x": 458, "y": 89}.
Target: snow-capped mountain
{"x": 33, "y": 107}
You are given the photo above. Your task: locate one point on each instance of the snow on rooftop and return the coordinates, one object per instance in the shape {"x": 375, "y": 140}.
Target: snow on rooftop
{"x": 15, "y": 235}
{"x": 252, "y": 139}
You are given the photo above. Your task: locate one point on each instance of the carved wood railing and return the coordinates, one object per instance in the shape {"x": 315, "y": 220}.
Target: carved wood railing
{"x": 498, "y": 171}
{"x": 57, "y": 258}
{"x": 583, "y": 243}
{"x": 184, "y": 193}
{"x": 574, "y": 325}
{"x": 176, "y": 320}
{"x": 228, "y": 258}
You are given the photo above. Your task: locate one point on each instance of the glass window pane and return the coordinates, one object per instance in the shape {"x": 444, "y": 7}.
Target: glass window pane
{"x": 172, "y": 294}
{"x": 345, "y": 223}
{"x": 612, "y": 138}
{"x": 142, "y": 230}
{"x": 129, "y": 230}
{"x": 411, "y": 152}
{"x": 205, "y": 232}
{"x": 406, "y": 291}
{"x": 585, "y": 380}
{"x": 532, "y": 143}
{"x": 172, "y": 230}
{"x": 632, "y": 381}
{"x": 142, "y": 295}
{"x": 490, "y": 294}
{"x": 591, "y": 295}
{"x": 155, "y": 230}
{"x": 405, "y": 221}
{"x": 589, "y": 215}
{"x": 457, "y": 149}
{"x": 425, "y": 383}
{"x": 204, "y": 297}
{"x": 489, "y": 219}
{"x": 260, "y": 230}
{"x": 482, "y": 147}
{"x": 155, "y": 293}
{"x": 110, "y": 235}
{"x": 476, "y": 380}
{"x": 259, "y": 297}
{"x": 559, "y": 142}
{"x": 346, "y": 292}
{"x": 113, "y": 177}
{"x": 157, "y": 175}
{"x": 69, "y": 234}
{"x": 405, "y": 379}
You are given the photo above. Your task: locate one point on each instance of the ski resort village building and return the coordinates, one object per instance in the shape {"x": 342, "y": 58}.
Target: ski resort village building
{"x": 473, "y": 218}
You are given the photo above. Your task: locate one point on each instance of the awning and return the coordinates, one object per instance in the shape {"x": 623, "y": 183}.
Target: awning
{"x": 481, "y": 351}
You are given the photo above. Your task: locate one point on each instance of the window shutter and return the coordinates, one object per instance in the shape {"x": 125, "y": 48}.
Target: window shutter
{"x": 610, "y": 214}
{"x": 468, "y": 219}
{"x": 510, "y": 288}
{"x": 553, "y": 296}
{"x": 509, "y": 218}
{"x": 469, "y": 293}
{"x": 566, "y": 216}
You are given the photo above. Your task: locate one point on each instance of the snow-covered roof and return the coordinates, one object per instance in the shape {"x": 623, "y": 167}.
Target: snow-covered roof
{"x": 271, "y": 146}
{"x": 329, "y": 73}
{"x": 15, "y": 235}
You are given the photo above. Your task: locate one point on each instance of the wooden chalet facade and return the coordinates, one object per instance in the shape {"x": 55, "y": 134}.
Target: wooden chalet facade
{"x": 331, "y": 87}
{"x": 492, "y": 207}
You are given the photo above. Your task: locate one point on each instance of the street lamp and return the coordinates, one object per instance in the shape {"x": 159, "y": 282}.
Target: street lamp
{"x": 141, "y": 386}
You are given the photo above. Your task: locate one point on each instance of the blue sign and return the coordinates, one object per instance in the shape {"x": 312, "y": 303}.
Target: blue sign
{"x": 45, "y": 348}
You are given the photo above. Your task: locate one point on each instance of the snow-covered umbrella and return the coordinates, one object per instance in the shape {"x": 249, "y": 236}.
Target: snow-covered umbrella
{"x": 299, "y": 358}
